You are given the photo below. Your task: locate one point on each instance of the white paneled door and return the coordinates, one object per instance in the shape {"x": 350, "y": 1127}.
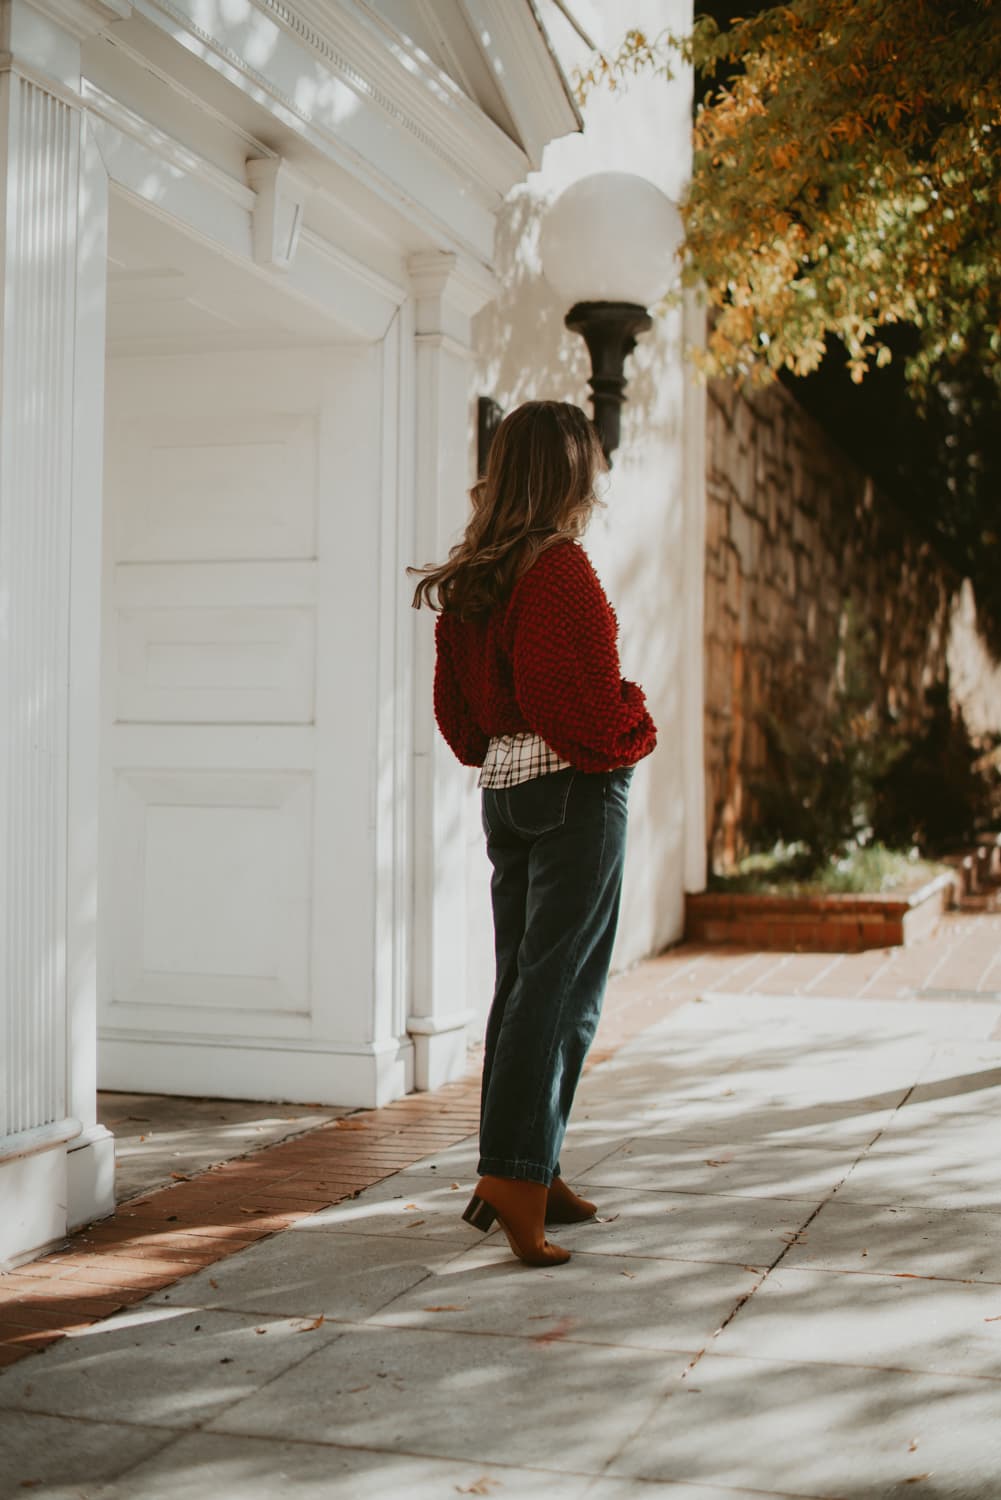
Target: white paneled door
{"x": 242, "y": 526}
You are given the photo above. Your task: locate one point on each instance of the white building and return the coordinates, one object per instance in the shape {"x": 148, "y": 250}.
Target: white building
{"x": 244, "y": 245}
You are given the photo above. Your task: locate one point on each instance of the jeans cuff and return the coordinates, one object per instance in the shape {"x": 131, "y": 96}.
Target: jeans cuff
{"x": 525, "y": 1171}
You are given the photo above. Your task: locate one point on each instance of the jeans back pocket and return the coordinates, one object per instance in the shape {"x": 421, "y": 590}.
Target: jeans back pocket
{"x": 540, "y": 805}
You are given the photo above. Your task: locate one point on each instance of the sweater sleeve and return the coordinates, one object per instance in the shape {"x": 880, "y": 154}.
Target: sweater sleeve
{"x": 567, "y": 678}
{"x": 451, "y": 709}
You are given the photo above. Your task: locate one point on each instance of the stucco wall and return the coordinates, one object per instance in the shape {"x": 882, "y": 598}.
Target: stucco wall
{"x": 637, "y": 543}
{"x": 800, "y": 547}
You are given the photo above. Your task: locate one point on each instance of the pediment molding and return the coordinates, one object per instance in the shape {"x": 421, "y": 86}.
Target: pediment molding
{"x": 390, "y": 78}
{"x": 536, "y": 92}
{"x": 83, "y": 18}
{"x": 381, "y": 65}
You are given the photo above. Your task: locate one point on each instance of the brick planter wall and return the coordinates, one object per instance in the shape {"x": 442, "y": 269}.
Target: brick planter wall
{"x": 818, "y": 924}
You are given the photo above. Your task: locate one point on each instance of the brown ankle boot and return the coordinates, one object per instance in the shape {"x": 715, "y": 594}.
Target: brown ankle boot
{"x": 564, "y": 1206}
{"x": 519, "y": 1206}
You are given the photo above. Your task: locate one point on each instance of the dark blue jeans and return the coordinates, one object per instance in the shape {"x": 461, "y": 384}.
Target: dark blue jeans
{"x": 557, "y": 846}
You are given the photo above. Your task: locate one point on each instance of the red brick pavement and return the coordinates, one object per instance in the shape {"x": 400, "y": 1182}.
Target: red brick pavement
{"x": 157, "y": 1239}
{"x": 962, "y": 958}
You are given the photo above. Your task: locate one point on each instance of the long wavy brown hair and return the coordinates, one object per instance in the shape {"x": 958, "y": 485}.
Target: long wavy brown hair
{"x": 538, "y": 489}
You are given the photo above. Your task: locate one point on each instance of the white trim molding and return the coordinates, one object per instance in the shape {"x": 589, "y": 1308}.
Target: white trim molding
{"x": 84, "y": 18}
{"x": 42, "y": 38}
{"x": 363, "y": 98}
{"x": 41, "y": 1138}
{"x": 448, "y": 291}
{"x": 177, "y": 184}
{"x": 535, "y": 89}
{"x": 361, "y": 1075}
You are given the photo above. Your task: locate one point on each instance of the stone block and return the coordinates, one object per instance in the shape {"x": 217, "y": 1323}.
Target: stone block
{"x": 742, "y": 538}
{"x": 717, "y": 523}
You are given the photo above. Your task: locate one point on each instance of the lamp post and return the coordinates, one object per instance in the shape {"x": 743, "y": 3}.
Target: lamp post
{"x": 608, "y": 247}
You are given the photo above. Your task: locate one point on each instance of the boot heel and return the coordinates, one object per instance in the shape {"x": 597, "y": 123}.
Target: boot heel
{"x": 479, "y": 1213}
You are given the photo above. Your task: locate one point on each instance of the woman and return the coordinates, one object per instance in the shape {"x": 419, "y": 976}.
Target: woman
{"x": 527, "y": 686}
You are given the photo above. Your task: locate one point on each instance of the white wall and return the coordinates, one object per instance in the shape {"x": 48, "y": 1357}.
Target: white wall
{"x": 638, "y": 544}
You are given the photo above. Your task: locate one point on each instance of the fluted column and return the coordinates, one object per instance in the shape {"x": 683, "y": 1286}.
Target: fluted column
{"x": 35, "y": 464}
{"x": 49, "y": 481}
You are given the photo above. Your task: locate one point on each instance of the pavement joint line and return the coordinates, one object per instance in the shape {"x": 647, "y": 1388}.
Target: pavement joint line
{"x": 107, "y": 1421}
{"x": 578, "y": 1253}
{"x": 793, "y": 1240}
{"x": 857, "y": 1364}
{"x": 320, "y": 1442}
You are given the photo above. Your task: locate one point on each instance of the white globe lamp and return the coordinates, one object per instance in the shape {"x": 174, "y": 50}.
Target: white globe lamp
{"x": 609, "y": 245}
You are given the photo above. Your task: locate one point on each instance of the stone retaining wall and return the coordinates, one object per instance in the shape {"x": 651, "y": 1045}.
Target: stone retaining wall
{"x": 801, "y": 552}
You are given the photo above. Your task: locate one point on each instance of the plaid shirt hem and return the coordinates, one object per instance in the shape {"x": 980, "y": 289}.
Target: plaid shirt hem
{"x": 514, "y": 758}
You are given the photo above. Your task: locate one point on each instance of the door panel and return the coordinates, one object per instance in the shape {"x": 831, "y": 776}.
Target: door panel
{"x": 215, "y": 472}
{"x": 216, "y": 485}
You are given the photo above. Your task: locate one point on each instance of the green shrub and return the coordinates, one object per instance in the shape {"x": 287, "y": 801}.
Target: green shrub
{"x": 942, "y": 789}
{"x": 786, "y": 870}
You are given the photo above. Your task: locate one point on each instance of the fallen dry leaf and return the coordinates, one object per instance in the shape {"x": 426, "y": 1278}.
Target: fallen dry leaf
{"x": 912, "y": 1445}
{"x": 260, "y": 1330}
{"x": 351, "y": 1124}
{"x": 213, "y": 1283}
{"x": 446, "y": 1307}
{"x": 481, "y": 1486}
{"x": 630, "y": 1274}
{"x": 415, "y": 1223}
{"x": 557, "y": 1332}
{"x": 353, "y": 1391}
{"x": 996, "y": 1319}
{"x": 607, "y": 1219}
{"x": 917, "y": 1478}
{"x": 180, "y": 1177}
{"x": 455, "y": 1187}
{"x": 313, "y": 1323}
{"x": 408, "y": 1206}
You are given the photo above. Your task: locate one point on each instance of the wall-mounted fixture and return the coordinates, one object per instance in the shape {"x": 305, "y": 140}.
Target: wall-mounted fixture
{"x": 489, "y": 416}
{"x": 278, "y": 210}
{"x": 609, "y": 247}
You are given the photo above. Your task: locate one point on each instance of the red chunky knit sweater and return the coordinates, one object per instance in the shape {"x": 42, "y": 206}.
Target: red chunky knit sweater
{"x": 545, "y": 662}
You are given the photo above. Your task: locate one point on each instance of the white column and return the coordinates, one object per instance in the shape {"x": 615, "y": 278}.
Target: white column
{"x": 693, "y": 659}
{"x": 447, "y": 292}
{"x": 49, "y": 484}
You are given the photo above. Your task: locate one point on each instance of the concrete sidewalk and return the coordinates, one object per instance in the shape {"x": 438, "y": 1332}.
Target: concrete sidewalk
{"x": 794, "y": 1289}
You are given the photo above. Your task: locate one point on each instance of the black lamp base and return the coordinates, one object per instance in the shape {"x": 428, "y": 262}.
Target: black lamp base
{"x": 609, "y": 329}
